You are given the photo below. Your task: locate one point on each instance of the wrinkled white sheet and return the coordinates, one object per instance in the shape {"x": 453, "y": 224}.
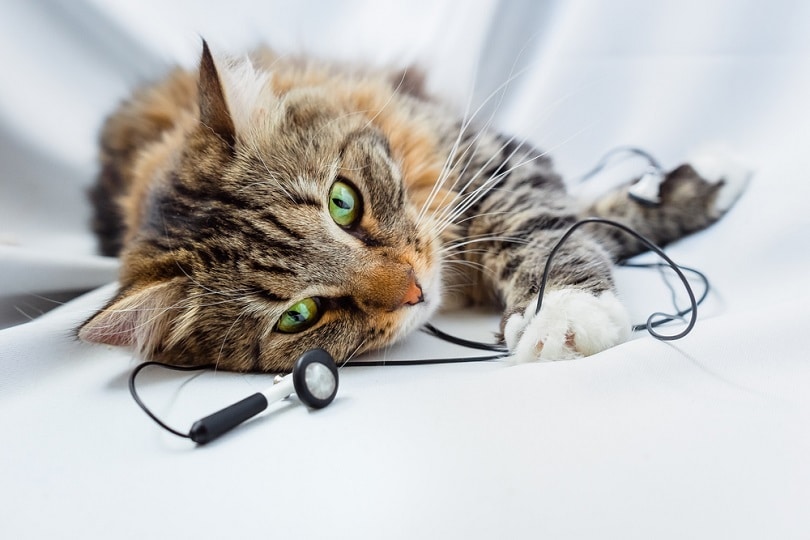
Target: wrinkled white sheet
{"x": 702, "y": 438}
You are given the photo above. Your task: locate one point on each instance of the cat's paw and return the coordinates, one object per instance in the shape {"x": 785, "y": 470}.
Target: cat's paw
{"x": 719, "y": 165}
{"x": 571, "y": 323}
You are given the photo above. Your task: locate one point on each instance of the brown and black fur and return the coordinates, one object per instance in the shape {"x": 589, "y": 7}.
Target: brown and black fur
{"x": 218, "y": 215}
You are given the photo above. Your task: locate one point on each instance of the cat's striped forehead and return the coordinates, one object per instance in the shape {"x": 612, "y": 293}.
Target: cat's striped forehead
{"x": 298, "y": 97}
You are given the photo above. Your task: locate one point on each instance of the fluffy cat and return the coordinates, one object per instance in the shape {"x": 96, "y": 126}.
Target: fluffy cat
{"x": 265, "y": 206}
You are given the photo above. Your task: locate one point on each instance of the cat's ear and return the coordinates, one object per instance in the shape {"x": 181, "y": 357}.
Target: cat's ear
{"x": 411, "y": 81}
{"x": 214, "y": 113}
{"x": 138, "y": 316}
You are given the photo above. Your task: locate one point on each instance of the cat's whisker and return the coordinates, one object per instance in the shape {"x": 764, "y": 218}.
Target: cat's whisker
{"x": 451, "y": 164}
{"x": 29, "y": 317}
{"x": 487, "y": 214}
{"x": 465, "y": 201}
{"x": 450, "y": 257}
{"x": 456, "y": 266}
{"x": 388, "y": 101}
{"x": 472, "y": 264}
{"x": 330, "y": 123}
{"x": 478, "y": 193}
{"x": 473, "y": 147}
{"x": 354, "y": 352}
{"x": 494, "y": 156}
{"x": 19, "y": 310}
{"x": 467, "y": 121}
{"x": 443, "y": 174}
{"x": 242, "y": 312}
{"x": 456, "y": 249}
{"x": 453, "y": 207}
{"x": 550, "y": 109}
{"x": 46, "y": 299}
{"x": 277, "y": 57}
{"x": 458, "y": 285}
{"x": 476, "y": 237}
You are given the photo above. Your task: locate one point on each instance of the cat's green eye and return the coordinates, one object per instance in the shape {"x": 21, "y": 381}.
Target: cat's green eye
{"x": 345, "y": 205}
{"x": 299, "y": 316}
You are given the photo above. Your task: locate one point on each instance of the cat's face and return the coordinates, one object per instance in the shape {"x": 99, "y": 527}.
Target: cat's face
{"x": 254, "y": 246}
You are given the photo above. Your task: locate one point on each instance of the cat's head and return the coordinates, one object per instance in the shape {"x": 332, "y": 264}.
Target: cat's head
{"x": 275, "y": 220}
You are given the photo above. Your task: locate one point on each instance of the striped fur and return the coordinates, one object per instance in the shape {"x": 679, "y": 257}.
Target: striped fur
{"x": 214, "y": 191}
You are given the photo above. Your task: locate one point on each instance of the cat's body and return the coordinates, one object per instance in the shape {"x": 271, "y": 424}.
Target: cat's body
{"x": 264, "y": 208}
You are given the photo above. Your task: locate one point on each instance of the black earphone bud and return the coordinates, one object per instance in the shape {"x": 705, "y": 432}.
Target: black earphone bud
{"x": 314, "y": 379}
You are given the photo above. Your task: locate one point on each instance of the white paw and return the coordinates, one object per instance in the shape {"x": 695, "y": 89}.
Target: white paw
{"x": 571, "y": 323}
{"x": 715, "y": 164}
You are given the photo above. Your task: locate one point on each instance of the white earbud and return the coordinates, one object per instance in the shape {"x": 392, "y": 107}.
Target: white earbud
{"x": 647, "y": 189}
{"x": 314, "y": 379}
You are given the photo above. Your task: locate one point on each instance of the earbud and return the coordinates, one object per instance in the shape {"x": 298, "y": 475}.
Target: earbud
{"x": 646, "y": 190}
{"x": 314, "y": 379}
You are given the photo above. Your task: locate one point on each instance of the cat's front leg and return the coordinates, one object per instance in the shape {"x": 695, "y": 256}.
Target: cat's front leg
{"x": 507, "y": 237}
{"x": 571, "y": 323}
{"x": 580, "y": 313}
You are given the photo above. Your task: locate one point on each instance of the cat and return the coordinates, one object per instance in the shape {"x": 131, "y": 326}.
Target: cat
{"x": 267, "y": 205}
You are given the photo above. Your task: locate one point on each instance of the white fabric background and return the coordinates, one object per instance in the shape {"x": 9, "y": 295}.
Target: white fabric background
{"x": 703, "y": 438}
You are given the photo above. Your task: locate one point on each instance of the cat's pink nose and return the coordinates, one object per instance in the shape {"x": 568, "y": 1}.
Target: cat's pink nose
{"x": 413, "y": 292}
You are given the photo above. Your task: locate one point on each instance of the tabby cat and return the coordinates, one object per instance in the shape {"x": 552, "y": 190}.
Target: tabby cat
{"x": 268, "y": 205}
